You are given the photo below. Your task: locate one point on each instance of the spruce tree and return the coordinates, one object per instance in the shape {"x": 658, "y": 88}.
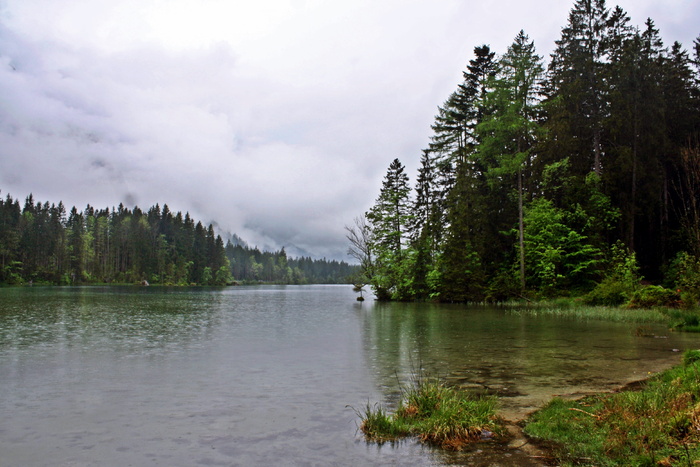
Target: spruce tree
{"x": 508, "y": 137}
{"x": 389, "y": 219}
{"x": 577, "y": 89}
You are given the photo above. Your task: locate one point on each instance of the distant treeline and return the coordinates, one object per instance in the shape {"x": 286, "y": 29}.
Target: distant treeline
{"x": 251, "y": 264}
{"x": 43, "y": 243}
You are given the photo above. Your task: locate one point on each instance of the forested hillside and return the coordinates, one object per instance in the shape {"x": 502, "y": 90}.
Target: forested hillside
{"x": 43, "y": 243}
{"x": 251, "y": 264}
{"x": 546, "y": 178}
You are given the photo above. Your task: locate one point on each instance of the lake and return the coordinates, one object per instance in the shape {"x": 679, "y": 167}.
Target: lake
{"x": 269, "y": 375}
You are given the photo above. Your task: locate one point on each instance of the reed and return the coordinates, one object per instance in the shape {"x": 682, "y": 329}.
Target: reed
{"x": 580, "y": 311}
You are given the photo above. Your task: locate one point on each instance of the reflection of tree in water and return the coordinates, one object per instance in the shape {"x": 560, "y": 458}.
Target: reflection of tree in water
{"x": 120, "y": 318}
{"x": 478, "y": 349}
{"x": 524, "y": 360}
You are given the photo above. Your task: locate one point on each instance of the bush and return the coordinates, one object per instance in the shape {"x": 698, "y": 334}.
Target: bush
{"x": 621, "y": 279}
{"x": 610, "y": 292}
{"x": 684, "y": 273}
{"x": 654, "y": 295}
{"x": 623, "y": 266}
{"x": 504, "y": 286}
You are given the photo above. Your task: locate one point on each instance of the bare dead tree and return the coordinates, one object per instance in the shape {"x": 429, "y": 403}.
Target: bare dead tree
{"x": 360, "y": 237}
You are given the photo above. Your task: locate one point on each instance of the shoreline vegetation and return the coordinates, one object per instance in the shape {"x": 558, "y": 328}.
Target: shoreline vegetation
{"x": 530, "y": 185}
{"x": 655, "y": 421}
{"x": 676, "y": 318}
{"x": 436, "y": 414}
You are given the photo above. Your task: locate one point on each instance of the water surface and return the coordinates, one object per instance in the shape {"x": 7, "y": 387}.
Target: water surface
{"x": 268, "y": 375}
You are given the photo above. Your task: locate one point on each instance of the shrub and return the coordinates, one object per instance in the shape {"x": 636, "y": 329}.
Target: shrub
{"x": 504, "y": 286}
{"x": 623, "y": 266}
{"x": 621, "y": 279}
{"x": 684, "y": 272}
{"x": 610, "y": 292}
{"x": 654, "y": 295}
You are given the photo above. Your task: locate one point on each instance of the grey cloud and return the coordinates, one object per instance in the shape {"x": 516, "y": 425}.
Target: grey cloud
{"x": 281, "y": 135}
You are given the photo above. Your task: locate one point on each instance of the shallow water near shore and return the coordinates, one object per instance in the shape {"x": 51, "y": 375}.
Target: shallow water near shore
{"x": 269, "y": 375}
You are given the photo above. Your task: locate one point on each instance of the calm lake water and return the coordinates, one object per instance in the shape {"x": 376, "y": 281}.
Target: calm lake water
{"x": 268, "y": 375}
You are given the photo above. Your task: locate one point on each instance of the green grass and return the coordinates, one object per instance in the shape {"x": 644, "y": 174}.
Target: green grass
{"x": 435, "y": 413}
{"x": 656, "y": 425}
{"x": 577, "y": 310}
{"x": 687, "y": 320}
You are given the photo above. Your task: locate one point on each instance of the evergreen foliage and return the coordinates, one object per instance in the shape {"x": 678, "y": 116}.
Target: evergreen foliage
{"x": 535, "y": 180}
{"x": 41, "y": 243}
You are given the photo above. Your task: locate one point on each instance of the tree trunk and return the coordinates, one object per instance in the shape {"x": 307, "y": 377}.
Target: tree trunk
{"x": 521, "y": 229}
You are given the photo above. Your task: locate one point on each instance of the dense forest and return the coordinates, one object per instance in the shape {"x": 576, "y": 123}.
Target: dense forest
{"x": 553, "y": 178}
{"x": 42, "y": 243}
{"x": 253, "y": 265}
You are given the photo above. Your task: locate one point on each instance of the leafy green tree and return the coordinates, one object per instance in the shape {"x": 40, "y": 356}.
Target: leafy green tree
{"x": 223, "y": 276}
{"x": 557, "y": 256}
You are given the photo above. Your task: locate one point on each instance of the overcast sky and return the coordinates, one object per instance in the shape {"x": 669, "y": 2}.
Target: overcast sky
{"x": 274, "y": 119}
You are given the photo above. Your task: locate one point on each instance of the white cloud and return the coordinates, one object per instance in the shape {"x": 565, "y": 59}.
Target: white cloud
{"x": 276, "y": 119}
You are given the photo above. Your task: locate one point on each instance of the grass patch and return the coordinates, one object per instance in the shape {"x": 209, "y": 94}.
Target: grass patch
{"x": 435, "y": 413}
{"x": 687, "y": 320}
{"x": 656, "y": 425}
{"x": 572, "y": 309}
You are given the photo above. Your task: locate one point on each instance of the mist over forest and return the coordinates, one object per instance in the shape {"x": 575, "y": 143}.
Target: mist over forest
{"x": 42, "y": 243}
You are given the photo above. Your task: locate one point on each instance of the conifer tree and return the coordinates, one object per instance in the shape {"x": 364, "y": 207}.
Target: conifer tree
{"x": 389, "y": 219}
{"x": 464, "y": 202}
{"x": 577, "y": 91}
{"x": 510, "y": 132}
